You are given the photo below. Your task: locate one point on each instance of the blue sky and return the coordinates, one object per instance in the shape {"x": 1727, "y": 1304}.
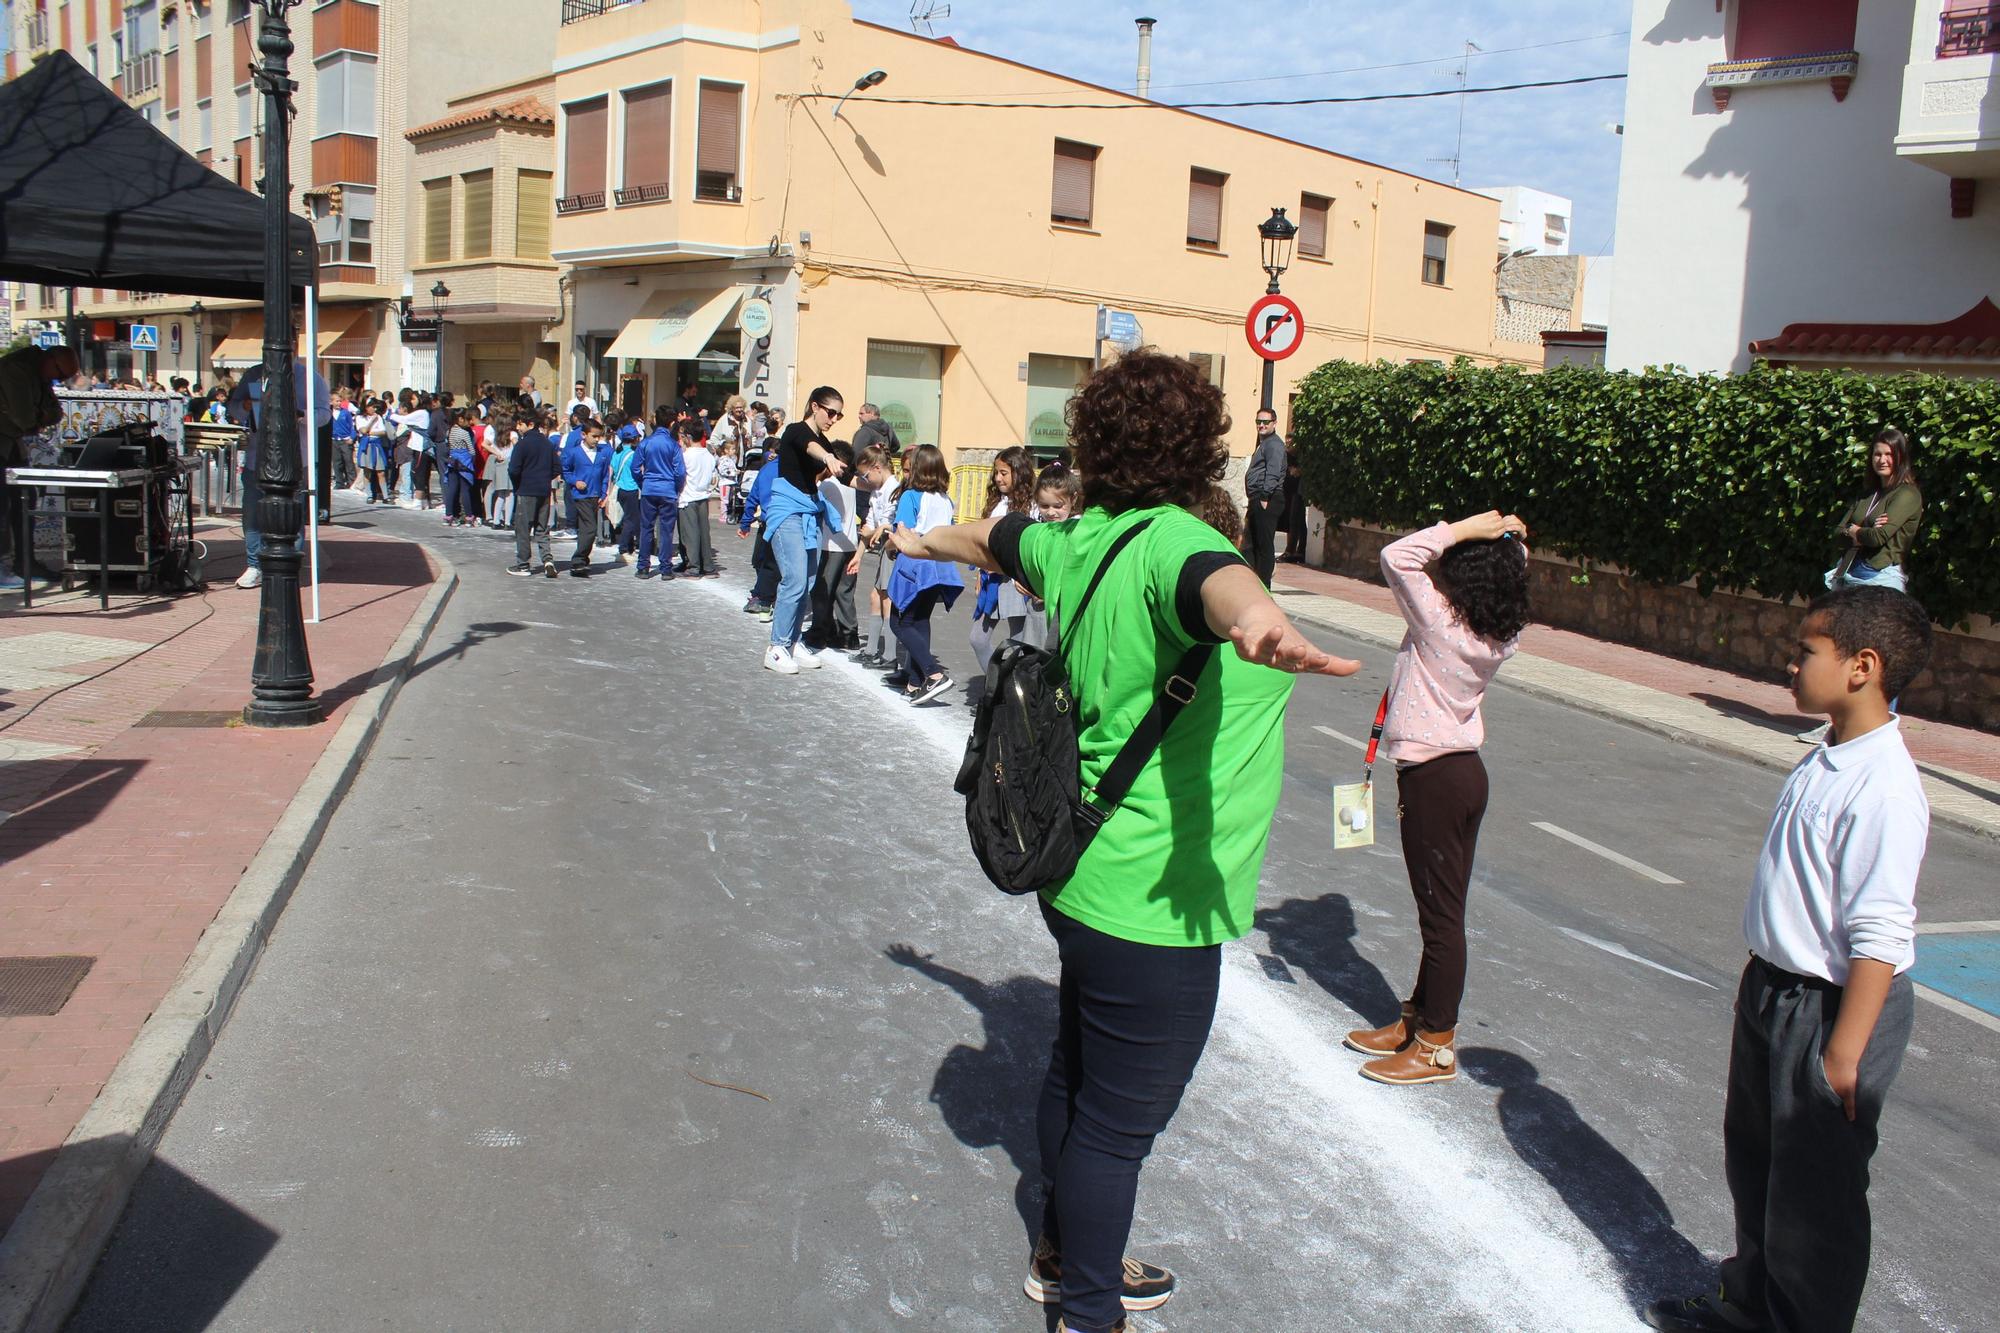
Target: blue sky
{"x": 1551, "y": 139}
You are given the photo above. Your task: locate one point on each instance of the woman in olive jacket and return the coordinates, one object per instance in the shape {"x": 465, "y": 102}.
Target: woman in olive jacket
{"x": 1878, "y": 527}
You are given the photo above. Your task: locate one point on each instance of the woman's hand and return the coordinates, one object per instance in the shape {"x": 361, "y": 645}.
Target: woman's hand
{"x": 1882, "y": 521}
{"x": 1265, "y": 636}
{"x": 909, "y": 543}
{"x": 1486, "y": 527}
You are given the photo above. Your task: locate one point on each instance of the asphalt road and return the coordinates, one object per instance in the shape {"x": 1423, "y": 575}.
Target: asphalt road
{"x": 598, "y": 855}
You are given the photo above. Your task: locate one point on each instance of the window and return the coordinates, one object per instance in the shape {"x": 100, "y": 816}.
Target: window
{"x": 174, "y": 126}
{"x": 718, "y": 143}
{"x": 478, "y": 235}
{"x": 239, "y": 10}
{"x": 170, "y": 30}
{"x": 95, "y": 72}
{"x": 906, "y": 383}
{"x": 649, "y": 140}
{"x": 201, "y": 8}
{"x": 204, "y": 126}
{"x": 142, "y": 30}
{"x": 534, "y": 207}
{"x": 1437, "y": 247}
{"x": 583, "y": 155}
{"x": 246, "y": 111}
{"x": 1075, "y": 188}
{"x": 1314, "y": 211}
{"x": 346, "y": 95}
{"x": 344, "y": 223}
{"x": 1204, "y": 219}
{"x": 1555, "y": 224}
{"x": 437, "y": 221}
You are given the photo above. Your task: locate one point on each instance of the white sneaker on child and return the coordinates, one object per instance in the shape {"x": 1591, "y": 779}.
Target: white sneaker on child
{"x": 806, "y": 658}
{"x": 778, "y": 660}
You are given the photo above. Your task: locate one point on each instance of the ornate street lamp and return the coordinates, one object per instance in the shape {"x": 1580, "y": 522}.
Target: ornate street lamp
{"x": 1275, "y": 236}
{"x": 197, "y": 315}
{"x": 439, "y": 295}
{"x": 281, "y": 676}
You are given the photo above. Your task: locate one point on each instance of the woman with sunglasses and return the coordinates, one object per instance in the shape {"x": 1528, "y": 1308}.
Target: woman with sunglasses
{"x": 791, "y": 525}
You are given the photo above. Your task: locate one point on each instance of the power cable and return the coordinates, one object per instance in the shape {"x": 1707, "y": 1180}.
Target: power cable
{"x": 1208, "y": 106}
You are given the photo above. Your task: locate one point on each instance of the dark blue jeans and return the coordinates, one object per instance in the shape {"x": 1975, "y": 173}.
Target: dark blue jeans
{"x": 657, "y": 514}
{"x": 1132, "y": 1022}
{"x": 912, "y": 625}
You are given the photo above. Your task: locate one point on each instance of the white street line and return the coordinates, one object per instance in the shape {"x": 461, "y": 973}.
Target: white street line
{"x": 1620, "y": 951}
{"x": 1341, "y": 736}
{"x": 1640, "y": 867}
{"x": 1956, "y": 927}
{"x": 1959, "y": 1007}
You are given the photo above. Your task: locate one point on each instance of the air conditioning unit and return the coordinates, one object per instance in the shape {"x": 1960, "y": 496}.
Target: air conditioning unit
{"x": 736, "y": 194}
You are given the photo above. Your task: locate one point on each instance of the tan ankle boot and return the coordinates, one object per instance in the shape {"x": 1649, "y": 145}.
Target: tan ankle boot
{"x": 1428, "y": 1059}
{"x": 1384, "y": 1040}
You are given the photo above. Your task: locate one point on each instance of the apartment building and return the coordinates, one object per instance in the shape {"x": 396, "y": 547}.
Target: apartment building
{"x": 1804, "y": 182}
{"x": 367, "y": 72}
{"x": 723, "y": 227}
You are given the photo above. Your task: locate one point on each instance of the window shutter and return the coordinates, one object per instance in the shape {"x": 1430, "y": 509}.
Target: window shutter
{"x": 584, "y": 165}
{"x": 534, "y": 207}
{"x": 478, "y": 215}
{"x": 1075, "y": 182}
{"x": 1204, "y": 220}
{"x": 437, "y": 221}
{"x": 648, "y": 136}
{"x": 719, "y": 130}
{"x": 1312, "y": 225}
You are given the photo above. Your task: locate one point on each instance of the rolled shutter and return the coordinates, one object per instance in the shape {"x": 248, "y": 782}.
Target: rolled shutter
{"x": 478, "y": 215}
{"x": 1075, "y": 182}
{"x": 534, "y": 209}
{"x": 1204, "y": 225}
{"x": 584, "y": 164}
{"x": 648, "y": 136}
{"x": 720, "y": 129}
{"x": 1312, "y": 225}
{"x": 437, "y": 221}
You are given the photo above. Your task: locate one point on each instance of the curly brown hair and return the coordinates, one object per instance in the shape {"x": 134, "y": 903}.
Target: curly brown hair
{"x": 1148, "y": 431}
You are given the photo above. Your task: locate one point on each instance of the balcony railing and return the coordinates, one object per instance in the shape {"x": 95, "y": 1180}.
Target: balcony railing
{"x": 1969, "y": 33}
{"x": 38, "y": 30}
{"x": 576, "y": 11}
{"x": 580, "y": 203}
{"x": 142, "y": 73}
{"x": 641, "y": 194}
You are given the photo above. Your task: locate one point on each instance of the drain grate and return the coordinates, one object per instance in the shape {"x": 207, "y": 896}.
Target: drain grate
{"x": 38, "y": 987}
{"x": 227, "y": 717}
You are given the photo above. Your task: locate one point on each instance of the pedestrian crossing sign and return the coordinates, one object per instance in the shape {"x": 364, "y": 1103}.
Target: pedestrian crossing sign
{"x": 145, "y": 337}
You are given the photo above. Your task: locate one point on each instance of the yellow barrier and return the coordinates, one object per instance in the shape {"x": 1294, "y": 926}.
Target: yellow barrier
{"x": 968, "y": 490}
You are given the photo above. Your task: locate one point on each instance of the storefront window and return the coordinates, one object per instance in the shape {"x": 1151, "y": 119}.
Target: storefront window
{"x": 1052, "y": 381}
{"x": 906, "y": 384}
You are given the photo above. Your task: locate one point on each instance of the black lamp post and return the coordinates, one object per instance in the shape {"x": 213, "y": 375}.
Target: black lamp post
{"x": 427, "y": 328}
{"x": 281, "y": 676}
{"x": 439, "y": 295}
{"x": 196, "y": 314}
{"x": 1275, "y": 238}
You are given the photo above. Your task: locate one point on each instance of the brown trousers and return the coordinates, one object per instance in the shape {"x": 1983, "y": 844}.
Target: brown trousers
{"x": 1440, "y": 803}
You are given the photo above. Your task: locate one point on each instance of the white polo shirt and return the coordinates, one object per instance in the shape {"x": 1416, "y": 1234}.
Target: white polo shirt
{"x": 1837, "y": 878}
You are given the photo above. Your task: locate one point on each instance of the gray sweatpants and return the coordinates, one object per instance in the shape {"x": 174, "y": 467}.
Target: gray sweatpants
{"x": 1797, "y": 1167}
{"x": 695, "y": 538}
{"x": 531, "y": 519}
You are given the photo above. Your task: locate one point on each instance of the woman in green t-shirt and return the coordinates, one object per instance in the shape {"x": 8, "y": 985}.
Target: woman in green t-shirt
{"x": 1172, "y": 874}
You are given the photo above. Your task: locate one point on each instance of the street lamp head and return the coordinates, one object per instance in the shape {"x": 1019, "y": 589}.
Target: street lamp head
{"x": 1276, "y": 235}
{"x": 870, "y": 79}
{"x": 439, "y": 295}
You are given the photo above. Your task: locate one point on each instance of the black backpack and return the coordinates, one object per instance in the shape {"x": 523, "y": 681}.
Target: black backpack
{"x": 1022, "y": 777}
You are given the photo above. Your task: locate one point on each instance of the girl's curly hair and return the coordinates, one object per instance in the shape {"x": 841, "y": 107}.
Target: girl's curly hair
{"x": 1486, "y": 584}
{"x": 1148, "y": 431}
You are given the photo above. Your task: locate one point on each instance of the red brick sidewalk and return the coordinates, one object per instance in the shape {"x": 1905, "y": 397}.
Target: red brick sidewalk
{"x": 1765, "y": 703}
{"x": 121, "y": 837}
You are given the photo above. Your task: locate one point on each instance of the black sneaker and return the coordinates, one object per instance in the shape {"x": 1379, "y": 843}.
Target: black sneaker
{"x": 1147, "y": 1286}
{"x": 933, "y": 687}
{"x": 1710, "y": 1312}
{"x": 579, "y": 571}
{"x": 896, "y": 680}
{"x": 549, "y": 568}
{"x": 644, "y": 574}
{"x": 520, "y": 571}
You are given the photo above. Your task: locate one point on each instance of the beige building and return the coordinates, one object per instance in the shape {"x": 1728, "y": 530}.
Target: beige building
{"x": 366, "y": 71}
{"x": 723, "y": 226}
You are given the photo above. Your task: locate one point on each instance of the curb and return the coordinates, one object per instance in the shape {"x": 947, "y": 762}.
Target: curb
{"x": 48, "y": 1254}
{"x": 1600, "y": 708}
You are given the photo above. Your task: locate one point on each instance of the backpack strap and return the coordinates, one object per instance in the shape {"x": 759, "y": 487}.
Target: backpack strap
{"x": 1175, "y": 695}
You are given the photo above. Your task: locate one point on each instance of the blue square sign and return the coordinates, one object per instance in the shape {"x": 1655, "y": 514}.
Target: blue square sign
{"x": 145, "y": 337}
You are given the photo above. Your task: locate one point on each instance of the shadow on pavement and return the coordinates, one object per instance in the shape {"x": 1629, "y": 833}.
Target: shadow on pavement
{"x": 1789, "y": 723}
{"x": 1316, "y": 935}
{"x": 57, "y": 797}
{"x": 180, "y": 1254}
{"x": 1596, "y": 1182}
{"x": 987, "y": 1094}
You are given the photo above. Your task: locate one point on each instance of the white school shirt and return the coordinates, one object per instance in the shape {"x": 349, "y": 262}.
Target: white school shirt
{"x": 882, "y": 503}
{"x": 1837, "y": 878}
{"x": 700, "y": 483}
{"x": 839, "y": 500}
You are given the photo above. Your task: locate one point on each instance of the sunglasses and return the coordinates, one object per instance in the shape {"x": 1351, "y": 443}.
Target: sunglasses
{"x": 832, "y": 413}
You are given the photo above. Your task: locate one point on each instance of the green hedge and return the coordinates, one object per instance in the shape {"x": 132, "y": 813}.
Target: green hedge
{"x": 1733, "y": 481}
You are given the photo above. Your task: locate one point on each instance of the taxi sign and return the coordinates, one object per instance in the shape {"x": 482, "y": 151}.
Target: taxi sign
{"x": 1275, "y": 327}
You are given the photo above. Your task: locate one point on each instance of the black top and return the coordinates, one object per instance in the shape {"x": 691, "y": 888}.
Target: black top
{"x": 794, "y": 463}
{"x": 532, "y": 465}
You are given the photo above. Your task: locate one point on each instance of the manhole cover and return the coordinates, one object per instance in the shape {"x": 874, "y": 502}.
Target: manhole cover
{"x": 228, "y": 717}
{"x": 38, "y": 987}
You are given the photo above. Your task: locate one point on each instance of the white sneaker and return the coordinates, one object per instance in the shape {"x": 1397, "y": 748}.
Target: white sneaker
{"x": 252, "y": 577}
{"x": 807, "y": 659}
{"x": 778, "y": 660}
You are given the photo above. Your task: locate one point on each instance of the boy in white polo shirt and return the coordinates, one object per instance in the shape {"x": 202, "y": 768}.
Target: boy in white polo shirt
{"x": 1823, "y": 1012}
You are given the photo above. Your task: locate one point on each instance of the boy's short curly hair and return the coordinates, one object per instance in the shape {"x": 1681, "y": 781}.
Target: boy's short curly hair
{"x": 1893, "y": 624}
{"x": 1148, "y": 430}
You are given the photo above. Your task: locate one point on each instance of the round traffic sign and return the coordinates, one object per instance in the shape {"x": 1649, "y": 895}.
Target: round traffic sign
{"x": 1275, "y": 327}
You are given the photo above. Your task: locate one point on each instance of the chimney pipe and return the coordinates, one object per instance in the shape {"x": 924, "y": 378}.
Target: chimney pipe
{"x": 1145, "y": 55}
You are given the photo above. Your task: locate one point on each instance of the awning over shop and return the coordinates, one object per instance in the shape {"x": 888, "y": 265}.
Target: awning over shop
{"x": 244, "y": 347}
{"x": 675, "y": 326}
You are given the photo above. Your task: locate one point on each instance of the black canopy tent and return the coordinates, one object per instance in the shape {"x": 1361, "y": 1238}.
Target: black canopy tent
{"x": 92, "y": 195}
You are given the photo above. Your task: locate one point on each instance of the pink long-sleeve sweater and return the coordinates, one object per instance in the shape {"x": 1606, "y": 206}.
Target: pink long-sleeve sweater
{"x": 1442, "y": 668}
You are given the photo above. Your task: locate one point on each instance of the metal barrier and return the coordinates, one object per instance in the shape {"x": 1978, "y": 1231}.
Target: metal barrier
{"x": 220, "y": 448}
{"x": 968, "y": 490}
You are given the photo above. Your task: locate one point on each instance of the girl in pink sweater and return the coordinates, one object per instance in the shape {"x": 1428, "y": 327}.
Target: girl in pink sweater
{"x": 1463, "y": 623}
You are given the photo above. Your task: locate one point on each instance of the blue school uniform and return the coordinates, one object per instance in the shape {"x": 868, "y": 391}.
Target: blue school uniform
{"x": 920, "y": 511}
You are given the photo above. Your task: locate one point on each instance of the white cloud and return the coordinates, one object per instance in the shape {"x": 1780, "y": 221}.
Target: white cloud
{"x": 1552, "y": 139}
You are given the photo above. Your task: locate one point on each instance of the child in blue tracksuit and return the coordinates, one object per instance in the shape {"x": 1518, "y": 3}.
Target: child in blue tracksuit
{"x": 586, "y": 472}
{"x": 765, "y": 588}
{"x": 625, "y": 482}
{"x": 661, "y": 470}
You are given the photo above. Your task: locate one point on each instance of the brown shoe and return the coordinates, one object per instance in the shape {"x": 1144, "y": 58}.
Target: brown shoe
{"x": 1384, "y": 1040}
{"x": 1428, "y": 1059}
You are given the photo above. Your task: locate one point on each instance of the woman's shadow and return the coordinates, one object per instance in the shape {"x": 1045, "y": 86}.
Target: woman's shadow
{"x": 1316, "y": 935}
{"x": 987, "y": 1094}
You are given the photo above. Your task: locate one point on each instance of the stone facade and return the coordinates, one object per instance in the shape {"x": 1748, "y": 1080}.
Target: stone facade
{"x": 1735, "y": 631}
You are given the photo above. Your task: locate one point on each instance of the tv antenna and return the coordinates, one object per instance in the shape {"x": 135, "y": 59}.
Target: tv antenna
{"x": 921, "y": 14}
{"x": 1457, "y": 158}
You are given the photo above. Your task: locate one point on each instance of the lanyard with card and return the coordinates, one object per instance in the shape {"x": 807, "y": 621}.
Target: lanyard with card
{"x": 1354, "y": 803}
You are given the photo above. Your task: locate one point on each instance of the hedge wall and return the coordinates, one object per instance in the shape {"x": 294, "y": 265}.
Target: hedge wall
{"x": 1733, "y": 481}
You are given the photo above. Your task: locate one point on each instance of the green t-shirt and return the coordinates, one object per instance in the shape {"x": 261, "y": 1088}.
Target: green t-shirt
{"x": 1178, "y": 862}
